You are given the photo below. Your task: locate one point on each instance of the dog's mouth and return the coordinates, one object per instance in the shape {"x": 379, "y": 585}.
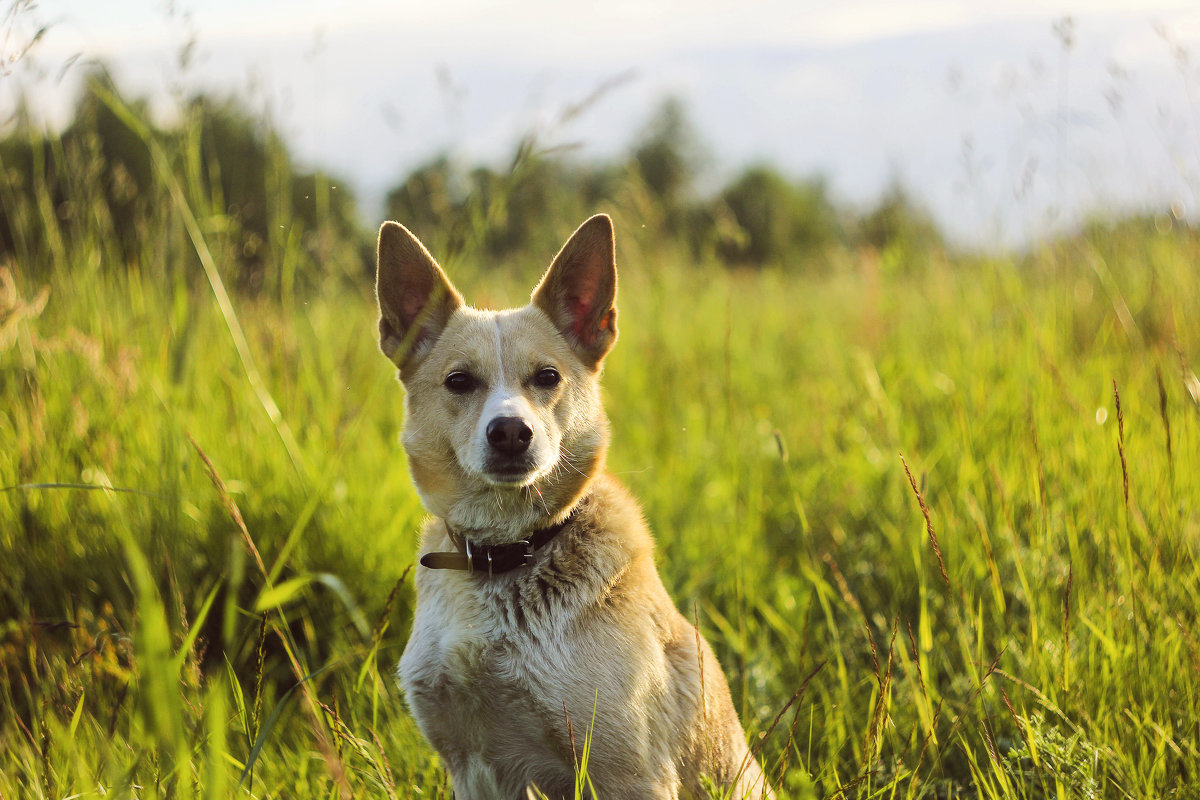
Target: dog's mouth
{"x": 520, "y": 472}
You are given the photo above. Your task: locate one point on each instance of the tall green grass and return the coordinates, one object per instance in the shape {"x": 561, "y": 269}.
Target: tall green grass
{"x": 938, "y": 517}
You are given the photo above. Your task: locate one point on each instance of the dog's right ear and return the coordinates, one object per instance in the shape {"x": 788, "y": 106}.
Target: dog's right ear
{"x": 416, "y": 299}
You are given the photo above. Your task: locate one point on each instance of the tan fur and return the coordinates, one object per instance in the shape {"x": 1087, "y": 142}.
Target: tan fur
{"x": 496, "y": 665}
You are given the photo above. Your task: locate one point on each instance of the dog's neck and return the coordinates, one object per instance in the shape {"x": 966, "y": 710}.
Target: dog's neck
{"x": 508, "y": 519}
{"x": 496, "y": 559}
{"x": 495, "y": 516}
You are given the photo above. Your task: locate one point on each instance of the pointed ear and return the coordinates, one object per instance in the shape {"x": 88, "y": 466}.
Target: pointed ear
{"x": 579, "y": 291}
{"x": 415, "y": 298}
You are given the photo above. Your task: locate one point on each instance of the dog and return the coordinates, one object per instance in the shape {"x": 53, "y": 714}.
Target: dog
{"x": 540, "y": 619}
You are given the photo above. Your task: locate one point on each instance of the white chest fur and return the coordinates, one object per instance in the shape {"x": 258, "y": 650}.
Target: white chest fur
{"x": 480, "y": 671}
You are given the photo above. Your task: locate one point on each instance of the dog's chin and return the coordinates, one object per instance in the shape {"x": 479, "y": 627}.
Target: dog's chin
{"x": 516, "y": 476}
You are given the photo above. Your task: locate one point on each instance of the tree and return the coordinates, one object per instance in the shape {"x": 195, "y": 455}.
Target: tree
{"x": 777, "y": 221}
{"x": 666, "y": 157}
{"x": 897, "y": 221}
{"x": 96, "y": 188}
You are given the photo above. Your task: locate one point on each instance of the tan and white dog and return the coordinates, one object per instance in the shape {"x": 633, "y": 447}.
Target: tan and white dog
{"x": 539, "y": 609}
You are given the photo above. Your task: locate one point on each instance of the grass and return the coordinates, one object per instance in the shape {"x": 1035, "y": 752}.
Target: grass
{"x": 939, "y": 517}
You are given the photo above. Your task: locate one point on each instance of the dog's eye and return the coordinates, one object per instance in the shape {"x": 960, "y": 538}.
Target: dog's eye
{"x": 460, "y": 382}
{"x": 547, "y": 378}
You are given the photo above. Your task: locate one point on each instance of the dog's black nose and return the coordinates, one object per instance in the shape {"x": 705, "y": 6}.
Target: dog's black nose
{"x": 509, "y": 435}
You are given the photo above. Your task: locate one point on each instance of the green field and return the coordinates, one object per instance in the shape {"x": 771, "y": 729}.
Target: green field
{"x": 939, "y": 515}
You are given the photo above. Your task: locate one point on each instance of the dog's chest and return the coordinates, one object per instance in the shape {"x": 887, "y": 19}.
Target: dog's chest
{"x": 478, "y": 660}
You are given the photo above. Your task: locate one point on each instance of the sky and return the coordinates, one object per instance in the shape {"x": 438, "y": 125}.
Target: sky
{"x": 1008, "y": 120}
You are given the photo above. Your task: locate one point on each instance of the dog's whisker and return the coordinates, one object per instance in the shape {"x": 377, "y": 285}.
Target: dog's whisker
{"x": 541, "y": 498}
{"x": 569, "y": 463}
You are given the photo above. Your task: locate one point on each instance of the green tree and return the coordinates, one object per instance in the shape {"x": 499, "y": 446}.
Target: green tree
{"x": 666, "y": 157}
{"x": 97, "y": 173}
{"x": 521, "y": 209}
{"x": 776, "y": 221}
{"x": 96, "y": 187}
{"x": 898, "y": 221}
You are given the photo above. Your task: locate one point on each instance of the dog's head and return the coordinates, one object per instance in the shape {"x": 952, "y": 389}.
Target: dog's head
{"x": 504, "y": 427}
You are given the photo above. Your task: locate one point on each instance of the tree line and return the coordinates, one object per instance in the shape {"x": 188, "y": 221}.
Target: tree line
{"x": 277, "y": 226}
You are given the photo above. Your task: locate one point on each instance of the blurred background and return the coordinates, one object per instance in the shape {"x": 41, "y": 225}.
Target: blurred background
{"x": 1001, "y": 122}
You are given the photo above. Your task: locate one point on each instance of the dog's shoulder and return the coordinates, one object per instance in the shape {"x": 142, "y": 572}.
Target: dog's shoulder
{"x": 611, "y": 517}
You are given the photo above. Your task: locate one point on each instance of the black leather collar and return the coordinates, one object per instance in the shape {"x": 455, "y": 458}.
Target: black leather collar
{"x": 497, "y": 558}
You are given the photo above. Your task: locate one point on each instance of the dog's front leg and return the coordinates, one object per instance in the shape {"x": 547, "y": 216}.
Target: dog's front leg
{"x": 631, "y": 769}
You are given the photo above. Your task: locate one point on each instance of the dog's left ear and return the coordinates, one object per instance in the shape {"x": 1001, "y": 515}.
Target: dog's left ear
{"x": 579, "y": 291}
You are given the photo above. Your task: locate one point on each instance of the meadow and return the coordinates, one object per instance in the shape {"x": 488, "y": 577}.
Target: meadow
{"x": 938, "y": 513}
